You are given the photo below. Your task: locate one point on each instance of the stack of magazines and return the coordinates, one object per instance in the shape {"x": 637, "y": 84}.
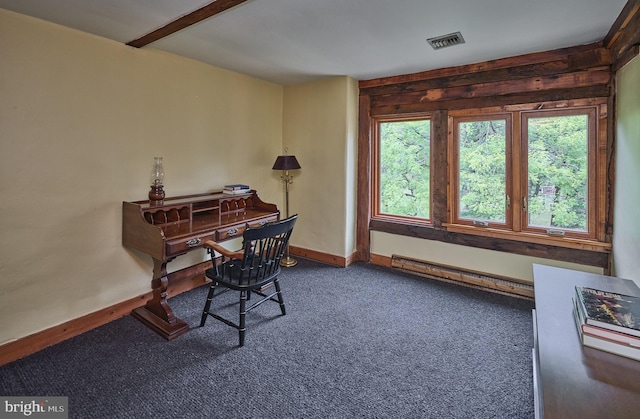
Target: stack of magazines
{"x": 608, "y": 321}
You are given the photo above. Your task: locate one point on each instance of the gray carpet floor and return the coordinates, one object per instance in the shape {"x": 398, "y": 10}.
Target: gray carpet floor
{"x": 357, "y": 342}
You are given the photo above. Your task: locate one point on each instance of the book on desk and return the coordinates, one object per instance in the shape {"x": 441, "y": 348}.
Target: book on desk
{"x": 607, "y": 321}
{"x": 236, "y": 188}
{"x": 610, "y": 310}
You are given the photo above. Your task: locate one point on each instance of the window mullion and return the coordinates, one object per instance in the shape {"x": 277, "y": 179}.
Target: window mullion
{"x": 453, "y": 171}
{"x": 518, "y": 167}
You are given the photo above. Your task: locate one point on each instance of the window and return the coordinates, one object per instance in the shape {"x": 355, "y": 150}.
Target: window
{"x": 521, "y": 156}
{"x": 527, "y": 172}
{"x": 481, "y": 147}
{"x": 553, "y": 157}
{"x": 560, "y": 194}
{"x": 403, "y": 169}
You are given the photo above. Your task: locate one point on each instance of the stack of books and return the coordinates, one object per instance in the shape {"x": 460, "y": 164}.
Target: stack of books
{"x": 608, "y": 321}
{"x": 236, "y": 188}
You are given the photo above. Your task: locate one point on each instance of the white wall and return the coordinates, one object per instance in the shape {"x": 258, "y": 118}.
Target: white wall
{"x": 626, "y": 234}
{"x": 81, "y": 119}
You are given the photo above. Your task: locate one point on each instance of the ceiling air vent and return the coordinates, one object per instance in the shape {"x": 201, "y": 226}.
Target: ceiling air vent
{"x": 446, "y": 40}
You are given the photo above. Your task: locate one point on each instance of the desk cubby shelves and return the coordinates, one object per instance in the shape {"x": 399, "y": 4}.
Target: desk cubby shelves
{"x": 208, "y": 211}
{"x": 165, "y": 215}
{"x": 177, "y": 225}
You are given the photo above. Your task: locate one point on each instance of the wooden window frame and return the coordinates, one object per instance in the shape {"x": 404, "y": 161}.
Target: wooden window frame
{"x": 454, "y": 160}
{"x": 375, "y": 166}
{"x": 594, "y": 143}
{"x": 448, "y": 224}
{"x": 581, "y": 75}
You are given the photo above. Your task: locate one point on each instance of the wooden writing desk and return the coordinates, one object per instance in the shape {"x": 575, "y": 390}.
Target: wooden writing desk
{"x": 177, "y": 226}
{"x": 572, "y": 381}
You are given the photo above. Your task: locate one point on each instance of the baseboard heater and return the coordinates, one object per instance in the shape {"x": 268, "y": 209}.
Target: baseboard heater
{"x": 489, "y": 282}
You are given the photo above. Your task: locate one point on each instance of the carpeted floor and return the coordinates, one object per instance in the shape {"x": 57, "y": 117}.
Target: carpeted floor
{"x": 362, "y": 341}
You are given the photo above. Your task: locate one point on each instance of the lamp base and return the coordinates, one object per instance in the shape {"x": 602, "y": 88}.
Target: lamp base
{"x": 156, "y": 194}
{"x": 288, "y": 262}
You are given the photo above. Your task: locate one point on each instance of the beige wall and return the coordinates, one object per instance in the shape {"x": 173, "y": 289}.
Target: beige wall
{"x": 626, "y": 235}
{"x": 81, "y": 119}
{"x": 320, "y": 128}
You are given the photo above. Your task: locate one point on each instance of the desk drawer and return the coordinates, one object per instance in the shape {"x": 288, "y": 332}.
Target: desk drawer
{"x": 231, "y": 232}
{"x": 263, "y": 221}
{"x": 186, "y": 244}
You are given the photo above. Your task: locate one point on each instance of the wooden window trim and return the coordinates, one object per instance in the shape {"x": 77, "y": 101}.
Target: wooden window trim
{"x": 579, "y": 75}
{"x": 532, "y": 237}
{"x": 452, "y": 227}
{"x": 584, "y": 252}
{"x": 454, "y": 204}
{"x": 593, "y": 142}
{"x": 375, "y": 167}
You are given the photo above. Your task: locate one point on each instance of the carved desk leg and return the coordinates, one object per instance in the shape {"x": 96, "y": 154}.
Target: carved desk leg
{"x": 157, "y": 314}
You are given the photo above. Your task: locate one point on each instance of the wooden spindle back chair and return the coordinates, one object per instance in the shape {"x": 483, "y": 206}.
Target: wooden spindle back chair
{"x": 251, "y": 270}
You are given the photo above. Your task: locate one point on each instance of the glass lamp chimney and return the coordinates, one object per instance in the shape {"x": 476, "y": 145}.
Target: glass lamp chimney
{"x": 157, "y": 174}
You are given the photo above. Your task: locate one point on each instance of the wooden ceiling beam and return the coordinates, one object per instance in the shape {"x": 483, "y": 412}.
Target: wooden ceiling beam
{"x": 628, "y": 12}
{"x": 623, "y": 39}
{"x": 205, "y": 12}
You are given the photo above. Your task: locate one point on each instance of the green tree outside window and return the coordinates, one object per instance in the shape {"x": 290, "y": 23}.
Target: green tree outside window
{"x": 405, "y": 168}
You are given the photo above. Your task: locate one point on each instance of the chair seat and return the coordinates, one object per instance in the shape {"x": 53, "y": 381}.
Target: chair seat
{"x": 233, "y": 279}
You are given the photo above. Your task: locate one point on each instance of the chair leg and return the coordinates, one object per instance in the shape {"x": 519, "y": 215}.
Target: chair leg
{"x": 207, "y": 305}
{"x": 243, "y": 313}
{"x": 280, "y": 300}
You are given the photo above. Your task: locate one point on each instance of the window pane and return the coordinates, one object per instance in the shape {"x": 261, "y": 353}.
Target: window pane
{"x": 482, "y": 170}
{"x": 404, "y": 168}
{"x": 557, "y": 174}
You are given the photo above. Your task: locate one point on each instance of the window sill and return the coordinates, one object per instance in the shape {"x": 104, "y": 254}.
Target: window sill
{"x": 567, "y": 242}
{"x": 583, "y": 252}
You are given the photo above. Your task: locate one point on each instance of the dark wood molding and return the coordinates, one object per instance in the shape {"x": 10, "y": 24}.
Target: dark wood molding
{"x": 205, "y": 12}
{"x": 381, "y": 260}
{"x": 439, "y": 167}
{"x": 484, "y": 68}
{"x": 323, "y": 257}
{"x": 628, "y": 12}
{"x": 610, "y": 174}
{"x": 596, "y": 91}
{"x": 625, "y": 57}
{"x": 597, "y": 58}
{"x": 565, "y": 74}
{"x": 624, "y": 36}
{"x": 508, "y": 87}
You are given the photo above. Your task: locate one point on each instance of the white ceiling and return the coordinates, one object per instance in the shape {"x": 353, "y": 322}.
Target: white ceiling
{"x": 293, "y": 41}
